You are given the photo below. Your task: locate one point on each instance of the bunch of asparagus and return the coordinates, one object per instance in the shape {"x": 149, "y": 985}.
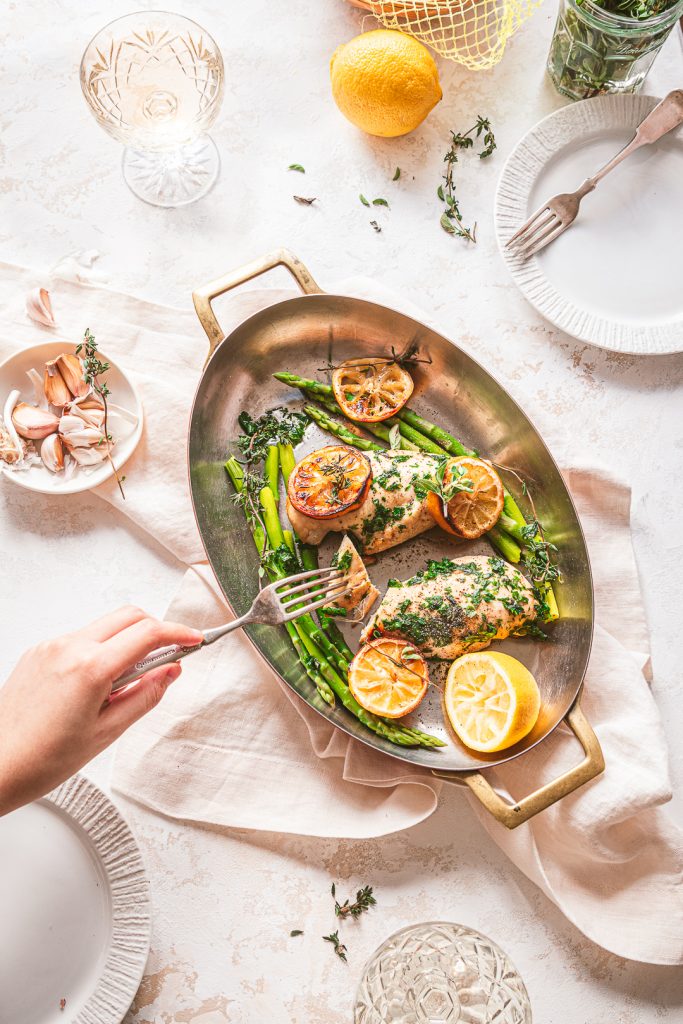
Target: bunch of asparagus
{"x": 418, "y": 434}
{"x": 322, "y": 650}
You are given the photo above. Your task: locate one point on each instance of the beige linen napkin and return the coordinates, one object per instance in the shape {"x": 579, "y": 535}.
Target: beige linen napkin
{"x": 230, "y": 745}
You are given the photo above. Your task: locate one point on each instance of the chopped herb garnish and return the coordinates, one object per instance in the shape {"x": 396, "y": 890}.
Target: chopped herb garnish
{"x": 278, "y": 426}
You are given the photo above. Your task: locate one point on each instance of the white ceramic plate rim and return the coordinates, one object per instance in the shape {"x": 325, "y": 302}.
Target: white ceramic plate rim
{"x": 80, "y": 481}
{"x": 131, "y": 922}
{"x": 522, "y": 168}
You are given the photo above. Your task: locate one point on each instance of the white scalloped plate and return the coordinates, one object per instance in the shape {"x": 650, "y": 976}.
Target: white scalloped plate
{"x": 613, "y": 279}
{"x": 75, "y": 921}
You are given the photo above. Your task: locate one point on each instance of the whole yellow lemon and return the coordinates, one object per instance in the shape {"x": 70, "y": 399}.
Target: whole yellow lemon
{"x": 384, "y": 82}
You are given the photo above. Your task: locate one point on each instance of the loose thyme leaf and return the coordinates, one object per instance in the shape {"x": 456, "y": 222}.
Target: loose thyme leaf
{"x": 296, "y": 931}
{"x": 333, "y": 890}
{"x": 376, "y": 226}
{"x": 397, "y": 174}
{"x": 297, "y": 167}
{"x": 379, "y": 202}
{"x": 363, "y": 200}
{"x": 440, "y": 194}
{"x": 305, "y": 201}
{"x": 395, "y": 436}
{"x": 447, "y": 224}
{"x": 339, "y": 947}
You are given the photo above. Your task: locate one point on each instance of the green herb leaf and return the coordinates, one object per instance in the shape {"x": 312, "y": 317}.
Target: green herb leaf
{"x": 297, "y": 167}
{"x": 440, "y": 193}
{"x": 296, "y": 931}
{"x": 339, "y": 947}
{"x": 447, "y": 224}
{"x": 363, "y": 199}
{"x": 363, "y": 901}
{"x": 397, "y": 174}
{"x": 379, "y": 202}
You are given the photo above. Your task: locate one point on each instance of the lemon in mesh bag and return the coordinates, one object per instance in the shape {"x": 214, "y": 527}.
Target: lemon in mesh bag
{"x": 470, "y": 32}
{"x": 384, "y": 82}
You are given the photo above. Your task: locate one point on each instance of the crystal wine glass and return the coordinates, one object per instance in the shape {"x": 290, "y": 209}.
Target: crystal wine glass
{"x": 440, "y": 973}
{"x": 154, "y": 81}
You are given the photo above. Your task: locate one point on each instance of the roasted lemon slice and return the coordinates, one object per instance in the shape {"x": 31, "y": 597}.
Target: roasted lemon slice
{"x": 370, "y": 390}
{"x": 492, "y": 700}
{"x": 471, "y": 513}
{"x": 388, "y": 677}
{"x": 329, "y": 482}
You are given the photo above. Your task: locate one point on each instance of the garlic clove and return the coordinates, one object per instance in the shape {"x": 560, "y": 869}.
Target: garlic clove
{"x": 89, "y": 456}
{"x": 56, "y": 391}
{"x": 38, "y": 388}
{"x": 81, "y": 437}
{"x": 39, "y": 307}
{"x": 90, "y": 417}
{"x": 52, "y": 453}
{"x": 71, "y": 369}
{"x": 33, "y": 423}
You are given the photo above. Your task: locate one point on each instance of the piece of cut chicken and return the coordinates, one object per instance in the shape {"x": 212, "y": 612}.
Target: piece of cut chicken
{"x": 357, "y": 602}
{"x": 455, "y": 606}
{"x": 391, "y": 512}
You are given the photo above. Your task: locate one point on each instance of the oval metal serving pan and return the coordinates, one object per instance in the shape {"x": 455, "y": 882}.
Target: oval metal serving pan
{"x": 302, "y": 334}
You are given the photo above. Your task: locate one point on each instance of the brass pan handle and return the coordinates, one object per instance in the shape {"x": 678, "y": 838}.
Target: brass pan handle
{"x": 203, "y": 297}
{"x": 513, "y": 814}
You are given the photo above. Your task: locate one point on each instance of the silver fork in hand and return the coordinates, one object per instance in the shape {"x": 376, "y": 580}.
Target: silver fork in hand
{"x": 277, "y": 603}
{"x": 556, "y": 215}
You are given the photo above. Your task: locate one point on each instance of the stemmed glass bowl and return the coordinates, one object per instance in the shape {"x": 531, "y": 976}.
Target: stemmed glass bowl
{"x": 154, "y": 81}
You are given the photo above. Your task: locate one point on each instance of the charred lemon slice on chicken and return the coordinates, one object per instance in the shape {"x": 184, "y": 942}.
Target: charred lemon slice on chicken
{"x": 472, "y": 498}
{"x": 388, "y": 677}
{"x": 370, "y": 390}
{"x": 329, "y": 482}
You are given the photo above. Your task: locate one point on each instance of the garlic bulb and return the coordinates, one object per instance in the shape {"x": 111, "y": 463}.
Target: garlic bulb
{"x": 71, "y": 369}
{"x": 56, "y": 390}
{"x": 33, "y": 423}
{"x": 39, "y": 307}
{"x": 52, "y": 453}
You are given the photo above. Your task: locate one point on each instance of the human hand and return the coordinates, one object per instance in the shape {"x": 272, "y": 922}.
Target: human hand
{"x": 55, "y": 711}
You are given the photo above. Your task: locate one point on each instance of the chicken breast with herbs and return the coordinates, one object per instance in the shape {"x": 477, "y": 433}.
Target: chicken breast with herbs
{"x": 354, "y": 605}
{"x": 455, "y": 606}
{"x": 394, "y": 509}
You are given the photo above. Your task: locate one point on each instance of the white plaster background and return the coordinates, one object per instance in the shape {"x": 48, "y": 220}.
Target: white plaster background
{"x": 225, "y": 902}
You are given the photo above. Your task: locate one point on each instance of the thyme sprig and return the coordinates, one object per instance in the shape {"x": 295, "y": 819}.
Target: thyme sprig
{"x": 93, "y": 368}
{"x": 363, "y": 901}
{"x": 445, "y": 489}
{"x": 451, "y": 218}
{"x": 339, "y": 947}
{"x": 407, "y": 356}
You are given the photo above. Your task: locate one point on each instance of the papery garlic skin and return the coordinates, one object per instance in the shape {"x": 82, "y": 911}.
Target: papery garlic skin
{"x": 33, "y": 423}
{"x": 54, "y": 386}
{"x": 52, "y": 453}
{"x": 39, "y": 307}
{"x": 89, "y": 456}
{"x": 71, "y": 369}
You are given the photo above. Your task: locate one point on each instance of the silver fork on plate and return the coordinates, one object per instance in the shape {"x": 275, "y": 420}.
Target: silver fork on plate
{"x": 556, "y": 215}
{"x": 277, "y": 603}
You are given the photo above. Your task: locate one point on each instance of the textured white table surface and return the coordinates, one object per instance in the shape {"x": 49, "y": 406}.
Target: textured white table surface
{"x": 225, "y": 902}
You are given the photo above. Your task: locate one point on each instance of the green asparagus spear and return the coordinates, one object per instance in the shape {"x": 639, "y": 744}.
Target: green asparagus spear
{"x": 272, "y": 468}
{"x": 340, "y": 431}
{"x": 287, "y": 461}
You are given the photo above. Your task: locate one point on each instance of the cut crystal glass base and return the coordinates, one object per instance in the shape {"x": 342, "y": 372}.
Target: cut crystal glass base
{"x": 173, "y": 177}
{"x": 441, "y": 973}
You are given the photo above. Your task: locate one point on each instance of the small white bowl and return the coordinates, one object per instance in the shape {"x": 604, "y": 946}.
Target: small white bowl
{"x": 38, "y": 478}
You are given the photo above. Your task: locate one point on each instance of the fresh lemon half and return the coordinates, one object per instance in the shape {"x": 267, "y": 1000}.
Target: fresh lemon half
{"x": 384, "y": 82}
{"x": 492, "y": 700}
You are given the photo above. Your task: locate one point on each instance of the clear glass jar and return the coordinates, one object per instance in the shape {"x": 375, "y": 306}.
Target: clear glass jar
{"x": 595, "y": 51}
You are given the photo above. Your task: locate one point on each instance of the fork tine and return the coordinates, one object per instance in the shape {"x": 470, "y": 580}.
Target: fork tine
{"x": 314, "y": 589}
{"x": 528, "y": 236}
{"x": 527, "y": 224}
{"x": 314, "y": 605}
{"x": 317, "y": 580}
{"x": 309, "y": 574}
{"x": 545, "y": 239}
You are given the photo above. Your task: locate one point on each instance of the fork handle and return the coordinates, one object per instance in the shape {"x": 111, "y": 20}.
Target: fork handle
{"x": 667, "y": 115}
{"x": 174, "y": 652}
